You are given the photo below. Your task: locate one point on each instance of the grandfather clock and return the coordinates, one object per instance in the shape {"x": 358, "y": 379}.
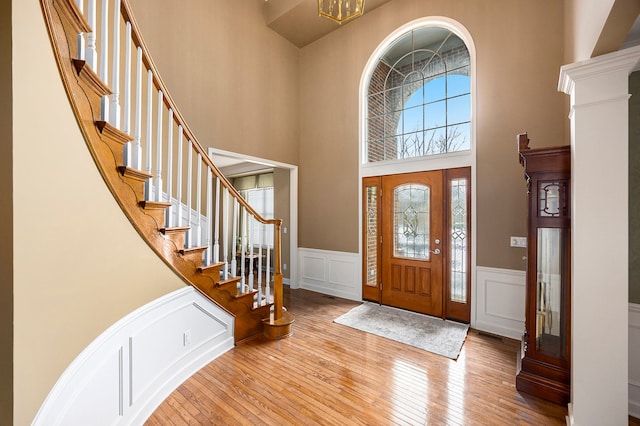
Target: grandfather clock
{"x": 544, "y": 361}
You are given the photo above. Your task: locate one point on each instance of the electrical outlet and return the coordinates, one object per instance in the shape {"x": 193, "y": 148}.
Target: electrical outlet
{"x": 518, "y": 241}
{"x": 284, "y": 266}
{"x": 186, "y": 338}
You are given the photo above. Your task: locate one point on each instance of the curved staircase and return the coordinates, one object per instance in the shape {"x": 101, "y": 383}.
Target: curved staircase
{"x": 161, "y": 200}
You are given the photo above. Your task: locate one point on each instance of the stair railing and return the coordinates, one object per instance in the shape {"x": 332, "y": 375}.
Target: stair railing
{"x": 180, "y": 175}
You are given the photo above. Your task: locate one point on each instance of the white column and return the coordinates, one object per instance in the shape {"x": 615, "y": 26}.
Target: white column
{"x": 599, "y": 227}
{"x": 137, "y": 120}
{"x": 216, "y": 216}
{"x": 81, "y": 43}
{"x": 91, "y": 55}
{"x": 126, "y": 125}
{"x": 104, "y": 54}
{"x": 158, "y": 177}
{"x": 179, "y": 177}
{"x": 169, "y": 219}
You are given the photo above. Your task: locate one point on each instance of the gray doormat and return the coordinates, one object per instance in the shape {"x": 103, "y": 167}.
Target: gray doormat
{"x": 422, "y": 331}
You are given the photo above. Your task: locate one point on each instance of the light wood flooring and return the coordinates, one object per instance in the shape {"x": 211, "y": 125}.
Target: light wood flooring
{"x": 330, "y": 374}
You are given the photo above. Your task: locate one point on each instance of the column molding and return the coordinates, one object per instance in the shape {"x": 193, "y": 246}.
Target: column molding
{"x": 599, "y": 244}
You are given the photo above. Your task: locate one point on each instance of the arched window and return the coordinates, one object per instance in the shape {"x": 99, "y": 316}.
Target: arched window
{"x": 419, "y": 97}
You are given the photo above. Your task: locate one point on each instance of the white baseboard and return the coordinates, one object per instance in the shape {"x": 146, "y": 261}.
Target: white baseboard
{"x": 500, "y": 301}
{"x": 634, "y": 360}
{"x": 127, "y": 371}
{"x": 330, "y": 272}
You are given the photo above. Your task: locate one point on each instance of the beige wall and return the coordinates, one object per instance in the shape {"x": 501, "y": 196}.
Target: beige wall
{"x": 6, "y": 224}
{"x": 79, "y": 265}
{"x": 237, "y": 82}
{"x": 519, "y": 52}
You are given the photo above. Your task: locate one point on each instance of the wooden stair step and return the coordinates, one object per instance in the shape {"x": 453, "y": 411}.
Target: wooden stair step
{"x": 231, "y": 283}
{"x": 213, "y": 269}
{"x": 156, "y": 209}
{"x": 69, "y": 9}
{"x": 90, "y": 79}
{"x": 246, "y": 298}
{"x": 175, "y": 234}
{"x": 136, "y": 179}
{"x": 194, "y": 254}
{"x": 114, "y": 138}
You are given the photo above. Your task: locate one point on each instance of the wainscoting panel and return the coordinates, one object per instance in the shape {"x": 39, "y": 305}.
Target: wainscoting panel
{"x": 500, "y": 301}
{"x": 330, "y": 272}
{"x": 634, "y": 359}
{"x": 123, "y": 375}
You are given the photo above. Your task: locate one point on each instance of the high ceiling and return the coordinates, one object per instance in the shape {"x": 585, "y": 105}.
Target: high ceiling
{"x": 298, "y": 20}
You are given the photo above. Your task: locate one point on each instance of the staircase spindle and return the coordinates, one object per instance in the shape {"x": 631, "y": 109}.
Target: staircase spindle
{"x": 209, "y": 216}
{"x": 243, "y": 245}
{"x": 260, "y": 242}
{"x": 199, "y": 202}
{"x": 169, "y": 215}
{"x": 158, "y": 182}
{"x": 137, "y": 121}
{"x": 149, "y": 141}
{"x": 250, "y": 233}
{"x": 81, "y": 42}
{"x": 267, "y": 275}
{"x": 114, "y": 110}
{"x": 189, "y": 194}
{"x": 234, "y": 238}
{"x": 225, "y": 233}
{"x": 91, "y": 55}
{"x": 216, "y": 233}
{"x": 126, "y": 112}
{"x": 179, "y": 178}
{"x": 104, "y": 54}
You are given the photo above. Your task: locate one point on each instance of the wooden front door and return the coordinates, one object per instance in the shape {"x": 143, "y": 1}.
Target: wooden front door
{"x": 412, "y": 233}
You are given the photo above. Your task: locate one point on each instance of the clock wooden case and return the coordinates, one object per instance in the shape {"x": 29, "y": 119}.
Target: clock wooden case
{"x": 544, "y": 361}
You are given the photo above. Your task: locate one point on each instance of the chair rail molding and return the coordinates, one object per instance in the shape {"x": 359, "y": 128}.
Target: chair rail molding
{"x": 127, "y": 371}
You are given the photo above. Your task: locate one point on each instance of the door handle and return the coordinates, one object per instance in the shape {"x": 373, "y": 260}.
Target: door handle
{"x": 436, "y": 251}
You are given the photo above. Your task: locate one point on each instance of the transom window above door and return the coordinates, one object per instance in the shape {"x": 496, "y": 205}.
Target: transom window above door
{"x": 419, "y": 97}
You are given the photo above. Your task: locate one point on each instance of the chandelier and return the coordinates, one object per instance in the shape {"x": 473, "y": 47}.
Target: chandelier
{"x": 340, "y": 10}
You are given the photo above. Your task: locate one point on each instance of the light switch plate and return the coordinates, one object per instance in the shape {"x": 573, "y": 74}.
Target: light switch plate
{"x": 518, "y": 241}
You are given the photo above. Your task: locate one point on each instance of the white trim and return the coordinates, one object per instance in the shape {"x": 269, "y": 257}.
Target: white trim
{"x": 634, "y": 360}
{"x": 435, "y": 162}
{"x": 330, "y": 272}
{"x": 127, "y": 371}
{"x": 293, "y": 202}
{"x": 500, "y": 301}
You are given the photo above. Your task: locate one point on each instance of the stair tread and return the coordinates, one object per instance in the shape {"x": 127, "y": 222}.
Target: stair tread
{"x": 204, "y": 268}
{"x": 112, "y": 132}
{"x": 149, "y": 205}
{"x": 247, "y": 294}
{"x": 134, "y": 174}
{"x": 174, "y": 230}
{"x": 193, "y": 249}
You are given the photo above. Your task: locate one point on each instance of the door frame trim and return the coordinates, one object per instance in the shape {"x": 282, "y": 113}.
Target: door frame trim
{"x": 434, "y": 162}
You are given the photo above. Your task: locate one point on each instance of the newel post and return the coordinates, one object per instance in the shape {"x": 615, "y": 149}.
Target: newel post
{"x": 277, "y": 276}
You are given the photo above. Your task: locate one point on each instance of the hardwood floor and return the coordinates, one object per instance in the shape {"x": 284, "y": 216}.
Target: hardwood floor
{"x": 330, "y": 374}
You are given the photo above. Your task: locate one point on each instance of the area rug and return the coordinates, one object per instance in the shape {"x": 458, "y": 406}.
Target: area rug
{"x": 422, "y": 331}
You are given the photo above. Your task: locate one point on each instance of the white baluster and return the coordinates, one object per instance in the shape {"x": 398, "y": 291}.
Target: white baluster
{"x": 104, "y": 53}
{"x": 169, "y": 215}
{"x": 225, "y": 233}
{"x": 243, "y": 245}
{"x": 199, "y": 202}
{"x": 216, "y": 234}
{"x": 126, "y": 126}
{"x": 91, "y": 56}
{"x": 81, "y": 44}
{"x": 250, "y": 255}
{"x": 189, "y": 191}
{"x": 209, "y": 216}
{"x": 148, "y": 184}
{"x": 267, "y": 275}
{"x": 179, "y": 178}
{"x": 137, "y": 121}
{"x": 234, "y": 239}
{"x": 114, "y": 112}
{"x": 158, "y": 182}
{"x": 260, "y": 240}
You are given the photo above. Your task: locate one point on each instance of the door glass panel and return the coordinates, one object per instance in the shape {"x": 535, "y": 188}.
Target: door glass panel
{"x": 458, "y": 243}
{"x": 548, "y": 293}
{"x": 371, "y": 238}
{"x": 411, "y": 221}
